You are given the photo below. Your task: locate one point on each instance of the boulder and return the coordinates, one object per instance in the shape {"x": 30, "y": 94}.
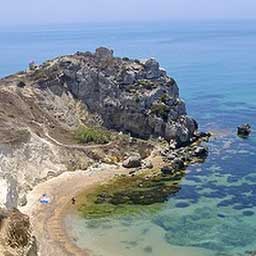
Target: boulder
{"x": 148, "y": 164}
{"x": 171, "y": 156}
{"x": 166, "y": 170}
{"x": 21, "y": 84}
{"x": 178, "y": 164}
{"x": 128, "y": 77}
{"x": 201, "y": 152}
{"x": 244, "y": 130}
{"x": 133, "y": 161}
{"x": 152, "y": 69}
{"x": 199, "y": 134}
{"x": 103, "y": 53}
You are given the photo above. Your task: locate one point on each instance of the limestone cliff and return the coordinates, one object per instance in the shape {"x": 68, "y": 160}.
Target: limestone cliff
{"x": 129, "y": 95}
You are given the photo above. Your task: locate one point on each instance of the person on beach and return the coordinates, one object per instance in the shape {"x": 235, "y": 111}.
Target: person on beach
{"x": 73, "y": 200}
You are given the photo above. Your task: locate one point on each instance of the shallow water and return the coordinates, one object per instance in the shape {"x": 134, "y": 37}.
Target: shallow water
{"x": 212, "y": 214}
{"x": 214, "y": 65}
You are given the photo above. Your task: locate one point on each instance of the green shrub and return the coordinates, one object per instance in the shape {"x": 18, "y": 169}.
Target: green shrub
{"x": 146, "y": 84}
{"x": 125, "y": 59}
{"x": 164, "y": 98}
{"x": 96, "y": 135}
{"x": 160, "y": 110}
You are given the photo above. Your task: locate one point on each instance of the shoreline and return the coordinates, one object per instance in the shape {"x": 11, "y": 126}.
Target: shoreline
{"x": 48, "y": 220}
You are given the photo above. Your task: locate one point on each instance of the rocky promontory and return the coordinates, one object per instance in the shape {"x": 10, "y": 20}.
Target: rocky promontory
{"x": 128, "y": 95}
{"x": 42, "y": 108}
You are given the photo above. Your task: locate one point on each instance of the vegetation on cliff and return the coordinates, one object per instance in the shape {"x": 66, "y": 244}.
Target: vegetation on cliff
{"x": 96, "y": 135}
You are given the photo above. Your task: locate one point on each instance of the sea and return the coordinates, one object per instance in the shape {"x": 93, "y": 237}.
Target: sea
{"x": 214, "y": 64}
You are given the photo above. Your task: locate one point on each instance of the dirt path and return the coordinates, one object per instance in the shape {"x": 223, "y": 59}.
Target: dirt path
{"x": 71, "y": 146}
{"x": 75, "y": 146}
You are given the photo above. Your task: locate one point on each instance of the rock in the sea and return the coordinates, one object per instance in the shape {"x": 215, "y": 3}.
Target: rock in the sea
{"x": 244, "y": 130}
{"x": 133, "y": 161}
{"x": 201, "y": 152}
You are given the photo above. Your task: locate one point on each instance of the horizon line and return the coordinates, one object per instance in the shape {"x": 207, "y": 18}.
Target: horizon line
{"x": 130, "y": 22}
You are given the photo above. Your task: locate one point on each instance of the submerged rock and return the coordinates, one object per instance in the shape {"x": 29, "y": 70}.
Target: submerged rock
{"x": 195, "y": 230}
{"x": 182, "y": 205}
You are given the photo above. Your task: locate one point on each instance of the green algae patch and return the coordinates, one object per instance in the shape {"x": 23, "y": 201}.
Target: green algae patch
{"x": 129, "y": 195}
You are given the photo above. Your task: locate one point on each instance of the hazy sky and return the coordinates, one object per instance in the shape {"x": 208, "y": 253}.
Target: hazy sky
{"x": 68, "y": 11}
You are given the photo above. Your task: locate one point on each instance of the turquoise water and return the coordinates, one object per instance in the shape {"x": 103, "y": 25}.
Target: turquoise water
{"x": 214, "y": 65}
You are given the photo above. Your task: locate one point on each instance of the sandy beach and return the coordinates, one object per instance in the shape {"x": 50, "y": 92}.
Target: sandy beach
{"x": 47, "y": 219}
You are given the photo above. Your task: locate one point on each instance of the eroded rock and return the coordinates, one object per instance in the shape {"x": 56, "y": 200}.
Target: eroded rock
{"x": 133, "y": 161}
{"x": 201, "y": 152}
{"x": 178, "y": 164}
{"x": 166, "y": 170}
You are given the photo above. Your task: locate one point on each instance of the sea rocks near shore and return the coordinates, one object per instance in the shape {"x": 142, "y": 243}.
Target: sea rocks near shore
{"x": 244, "y": 130}
{"x": 143, "y": 186}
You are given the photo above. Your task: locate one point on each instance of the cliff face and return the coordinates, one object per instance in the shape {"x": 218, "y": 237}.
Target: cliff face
{"x": 128, "y": 95}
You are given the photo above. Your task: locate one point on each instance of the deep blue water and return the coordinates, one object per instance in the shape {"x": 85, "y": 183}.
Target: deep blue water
{"x": 214, "y": 64}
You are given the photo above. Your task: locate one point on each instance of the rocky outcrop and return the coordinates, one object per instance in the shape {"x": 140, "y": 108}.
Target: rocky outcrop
{"x": 129, "y": 95}
{"x": 132, "y": 161}
{"x": 52, "y": 99}
{"x": 244, "y": 130}
{"x": 16, "y": 237}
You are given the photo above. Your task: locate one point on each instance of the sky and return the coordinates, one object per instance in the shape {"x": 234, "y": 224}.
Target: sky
{"x": 14, "y": 12}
